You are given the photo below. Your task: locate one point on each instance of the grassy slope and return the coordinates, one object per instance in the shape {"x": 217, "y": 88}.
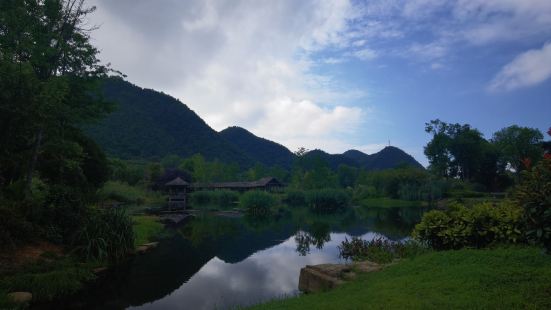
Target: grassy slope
{"x": 466, "y": 279}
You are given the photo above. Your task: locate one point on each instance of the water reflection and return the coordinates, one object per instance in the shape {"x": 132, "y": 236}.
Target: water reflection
{"x": 216, "y": 262}
{"x": 319, "y": 234}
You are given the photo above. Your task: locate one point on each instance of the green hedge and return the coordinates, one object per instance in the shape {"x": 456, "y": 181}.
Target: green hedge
{"x": 222, "y": 198}
{"x": 295, "y": 198}
{"x": 327, "y": 200}
{"x": 257, "y": 203}
{"x": 479, "y": 226}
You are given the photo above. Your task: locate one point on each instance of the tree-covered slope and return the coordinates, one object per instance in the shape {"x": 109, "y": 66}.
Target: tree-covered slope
{"x": 147, "y": 124}
{"x": 389, "y": 157}
{"x": 259, "y": 149}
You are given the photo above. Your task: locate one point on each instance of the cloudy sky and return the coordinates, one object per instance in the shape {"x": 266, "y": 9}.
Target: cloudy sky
{"x": 338, "y": 74}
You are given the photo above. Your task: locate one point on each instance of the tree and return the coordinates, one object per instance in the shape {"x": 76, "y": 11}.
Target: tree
{"x": 516, "y": 144}
{"x": 455, "y": 150}
{"x": 49, "y": 82}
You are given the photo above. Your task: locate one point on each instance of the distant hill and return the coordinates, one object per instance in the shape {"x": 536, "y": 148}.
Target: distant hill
{"x": 334, "y": 160}
{"x": 389, "y": 157}
{"x": 259, "y": 149}
{"x": 150, "y": 124}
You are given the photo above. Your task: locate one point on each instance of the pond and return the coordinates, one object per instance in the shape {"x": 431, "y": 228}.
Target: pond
{"x": 215, "y": 262}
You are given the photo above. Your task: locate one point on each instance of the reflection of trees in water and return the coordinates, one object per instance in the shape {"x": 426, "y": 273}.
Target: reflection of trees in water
{"x": 318, "y": 235}
{"x": 394, "y": 223}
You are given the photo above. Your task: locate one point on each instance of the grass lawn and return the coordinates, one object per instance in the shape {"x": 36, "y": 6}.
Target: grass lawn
{"x": 146, "y": 228}
{"x": 503, "y": 278}
{"x": 390, "y": 203}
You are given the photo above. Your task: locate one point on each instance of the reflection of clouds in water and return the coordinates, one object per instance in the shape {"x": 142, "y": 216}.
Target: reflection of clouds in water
{"x": 267, "y": 274}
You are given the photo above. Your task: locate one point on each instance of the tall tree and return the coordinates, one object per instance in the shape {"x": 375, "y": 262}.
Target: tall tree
{"x": 519, "y": 144}
{"x": 50, "y": 73}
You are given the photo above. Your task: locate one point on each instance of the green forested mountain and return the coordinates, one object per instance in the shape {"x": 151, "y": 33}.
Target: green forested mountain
{"x": 148, "y": 124}
{"x": 259, "y": 149}
{"x": 151, "y": 124}
{"x": 389, "y": 157}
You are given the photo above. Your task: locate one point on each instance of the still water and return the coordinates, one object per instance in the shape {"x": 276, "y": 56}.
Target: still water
{"x": 218, "y": 263}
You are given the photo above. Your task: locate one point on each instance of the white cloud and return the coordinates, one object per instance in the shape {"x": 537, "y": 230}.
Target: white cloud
{"x": 244, "y": 63}
{"x": 365, "y": 54}
{"x": 527, "y": 69}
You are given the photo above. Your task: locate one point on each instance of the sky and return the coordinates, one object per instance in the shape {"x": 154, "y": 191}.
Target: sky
{"x": 342, "y": 74}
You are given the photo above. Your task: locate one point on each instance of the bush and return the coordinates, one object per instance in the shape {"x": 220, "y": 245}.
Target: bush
{"x": 379, "y": 249}
{"x": 122, "y": 192}
{"x": 106, "y": 234}
{"x": 222, "y": 199}
{"x": 533, "y": 194}
{"x": 327, "y": 200}
{"x": 14, "y": 228}
{"x": 479, "y": 226}
{"x": 257, "y": 203}
{"x": 295, "y": 198}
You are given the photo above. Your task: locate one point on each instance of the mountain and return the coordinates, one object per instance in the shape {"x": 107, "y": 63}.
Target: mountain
{"x": 389, "y": 157}
{"x": 333, "y": 160}
{"x": 149, "y": 124}
{"x": 259, "y": 149}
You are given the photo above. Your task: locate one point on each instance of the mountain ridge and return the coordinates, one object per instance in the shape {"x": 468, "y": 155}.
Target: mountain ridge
{"x": 150, "y": 124}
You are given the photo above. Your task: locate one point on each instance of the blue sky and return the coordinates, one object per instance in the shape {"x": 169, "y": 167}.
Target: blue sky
{"x": 339, "y": 74}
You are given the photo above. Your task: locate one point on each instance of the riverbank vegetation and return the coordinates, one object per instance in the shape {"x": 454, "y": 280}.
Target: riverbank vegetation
{"x": 502, "y": 278}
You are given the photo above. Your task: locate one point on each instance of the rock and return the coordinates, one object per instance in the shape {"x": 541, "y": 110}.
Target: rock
{"x": 142, "y": 249}
{"x": 327, "y": 276}
{"x": 146, "y": 247}
{"x": 99, "y": 270}
{"x": 151, "y": 245}
{"x": 312, "y": 280}
{"x": 20, "y": 297}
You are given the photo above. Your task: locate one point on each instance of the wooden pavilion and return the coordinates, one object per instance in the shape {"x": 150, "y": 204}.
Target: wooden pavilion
{"x": 177, "y": 193}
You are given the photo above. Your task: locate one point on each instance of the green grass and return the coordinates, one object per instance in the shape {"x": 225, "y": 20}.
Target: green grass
{"x": 385, "y": 202}
{"x": 503, "y": 278}
{"x": 146, "y": 229}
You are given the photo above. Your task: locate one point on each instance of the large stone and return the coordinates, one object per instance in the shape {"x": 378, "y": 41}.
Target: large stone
{"x": 327, "y": 276}
{"x": 20, "y": 297}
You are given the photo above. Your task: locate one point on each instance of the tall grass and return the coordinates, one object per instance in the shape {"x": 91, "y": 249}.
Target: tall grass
{"x": 327, "y": 200}
{"x": 221, "y": 199}
{"x": 257, "y": 203}
{"x": 122, "y": 192}
{"x": 105, "y": 234}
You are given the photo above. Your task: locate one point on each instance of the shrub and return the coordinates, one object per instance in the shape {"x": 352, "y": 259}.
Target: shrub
{"x": 379, "y": 249}
{"x": 327, "y": 200}
{"x": 533, "y": 194}
{"x": 14, "y": 228}
{"x": 257, "y": 203}
{"x": 122, "y": 192}
{"x": 222, "y": 199}
{"x": 106, "y": 234}
{"x": 479, "y": 226}
{"x": 295, "y": 198}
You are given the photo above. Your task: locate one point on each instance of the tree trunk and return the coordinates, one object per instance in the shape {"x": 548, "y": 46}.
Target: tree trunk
{"x": 32, "y": 164}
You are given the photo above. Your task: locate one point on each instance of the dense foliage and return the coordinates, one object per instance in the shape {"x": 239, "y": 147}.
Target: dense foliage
{"x": 460, "y": 151}
{"x": 257, "y": 203}
{"x": 105, "y": 234}
{"x": 534, "y": 195}
{"x": 379, "y": 249}
{"x": 148, "y": 124}
{"x": 219, "y": 198}
{"x": 479, "y": 226}
{"x": 327, "y": 200}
